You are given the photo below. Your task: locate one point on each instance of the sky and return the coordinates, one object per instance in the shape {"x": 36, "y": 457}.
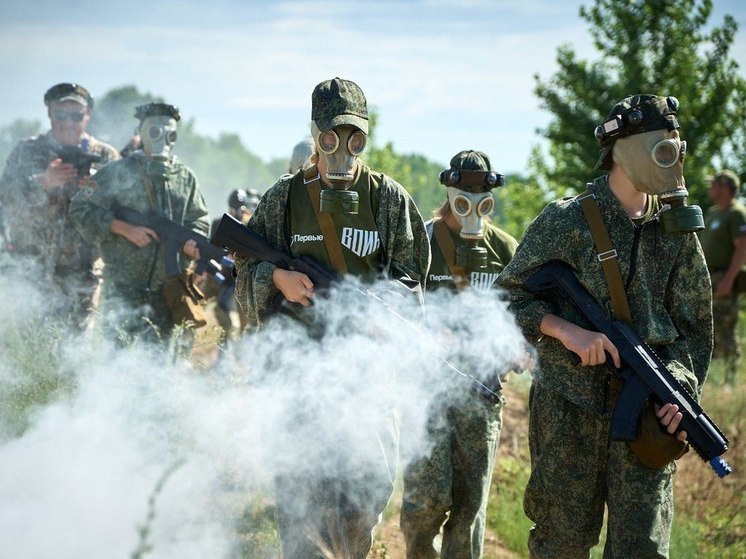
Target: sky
{"x": 444, "y": 75}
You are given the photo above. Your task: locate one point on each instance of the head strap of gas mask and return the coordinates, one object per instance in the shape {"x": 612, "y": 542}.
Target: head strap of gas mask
{"x": 471, "y": 181}
{"x": 649, "y": 113}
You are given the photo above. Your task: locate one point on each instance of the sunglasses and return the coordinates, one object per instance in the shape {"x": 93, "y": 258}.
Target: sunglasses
{"x": 75, "y": 116}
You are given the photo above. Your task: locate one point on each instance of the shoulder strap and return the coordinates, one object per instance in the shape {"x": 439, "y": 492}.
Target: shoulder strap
{"x": 448, "y": 248}
{"x": 607, "y": 255}
{"x": 312, "y": 181}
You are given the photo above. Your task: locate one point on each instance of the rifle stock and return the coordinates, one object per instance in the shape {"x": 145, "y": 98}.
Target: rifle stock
{"x": 233, "y": 235}
{"x": 644, "y": 374}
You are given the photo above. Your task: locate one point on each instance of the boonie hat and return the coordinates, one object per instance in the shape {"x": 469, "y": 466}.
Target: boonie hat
{"x": 68, "y": 92}
{"x": 154, "y": 109}
{"x": 336, "y": 102}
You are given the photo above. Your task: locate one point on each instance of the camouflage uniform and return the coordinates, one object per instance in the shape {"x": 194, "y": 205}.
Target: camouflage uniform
{"x": 135, "y": 276}
{"x": 453, "y": 481}
{"x": 575, "y": 467}
{"x": 329, "y": 503}
{"x": 36, "y": 220}
{"x": 722, "y": 227}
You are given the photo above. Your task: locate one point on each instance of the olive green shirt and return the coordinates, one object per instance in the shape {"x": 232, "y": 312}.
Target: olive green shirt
{"x": 722, "y": 227}
{"x": 667, "y": 285}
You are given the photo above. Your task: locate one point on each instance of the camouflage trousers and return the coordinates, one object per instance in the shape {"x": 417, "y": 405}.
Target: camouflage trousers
{"x": 332, "y": 513}
{"x": 576, "y": 471}
{"x": 725, "y": 321}
{"x": 452, "y": 483}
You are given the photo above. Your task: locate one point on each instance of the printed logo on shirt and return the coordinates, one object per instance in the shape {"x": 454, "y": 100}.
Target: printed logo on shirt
{"x": 360, "y": 241}
{"x": 482, "y": 281}
{"x": 306, "y": 239}
{"x": 441, "y": 277}
{"x": 715, "y": 224}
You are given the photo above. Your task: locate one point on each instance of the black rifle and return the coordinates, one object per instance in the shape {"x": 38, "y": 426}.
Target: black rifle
{"x": 643, "y": 373}
{"x": 173, "y": 236}
{"x": 81, "y": 160}
{"x": 237, "y": 237}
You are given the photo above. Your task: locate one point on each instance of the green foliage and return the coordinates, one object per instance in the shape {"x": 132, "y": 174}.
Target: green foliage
{"x": 648, "y": 46}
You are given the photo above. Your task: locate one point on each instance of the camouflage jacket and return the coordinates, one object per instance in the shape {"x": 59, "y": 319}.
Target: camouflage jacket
{"x": 123, "y": 182}
{"x": 668, "y": 289}
{"x": 399, "y": 223}
{"x": 36, "y": 220}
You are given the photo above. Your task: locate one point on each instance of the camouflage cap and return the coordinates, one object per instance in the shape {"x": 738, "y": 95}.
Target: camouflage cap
{"x": 153, "y": 109}
{"x": 471, "y": 171}
{"x": 635, "y": 114}
{"x": 335, "y": 102}
{"x": 68, "y": 92}
{"x": 728, "y": 178}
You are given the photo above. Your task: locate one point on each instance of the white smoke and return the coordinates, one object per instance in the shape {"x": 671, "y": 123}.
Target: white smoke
{"x": 131, "y": 432}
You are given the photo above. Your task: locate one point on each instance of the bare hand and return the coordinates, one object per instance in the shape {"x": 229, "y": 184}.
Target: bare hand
{"x": 591, "y": 347}
{"x": 138, "y": 234}
{"x": 724, "y": 288}
{"x": 296, "y": 287}
{"x": 57, "y": 174}
{"x": 670, "y": 417}
{"x": 190, "y": 249}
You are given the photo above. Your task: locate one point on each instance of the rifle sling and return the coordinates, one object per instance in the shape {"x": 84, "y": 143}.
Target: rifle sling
{"x": 607, "y": 255}
{"x": 312, "y": 180}
{"x": 448, "y": 248}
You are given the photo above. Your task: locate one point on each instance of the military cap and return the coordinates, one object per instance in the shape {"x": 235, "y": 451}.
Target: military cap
{"x": 471, "y": 171}
{"x": 154, "y": 109}
{"x": 244, "y": 198}
{"x": 68, "y": 92}
{"x": 335, "y": 102}
{"x": 635, "y": 114}
{"x": 729, "y": 179}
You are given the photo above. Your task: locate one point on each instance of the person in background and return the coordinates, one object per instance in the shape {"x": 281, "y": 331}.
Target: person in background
{"x": 657, "y": 281}
{"x": 449, "y": 487}
{"x": 137, "y": 290}
{"x": 301, "y": 156}
{"x": 724, "y": 244}
{"x": 41, "y": 176}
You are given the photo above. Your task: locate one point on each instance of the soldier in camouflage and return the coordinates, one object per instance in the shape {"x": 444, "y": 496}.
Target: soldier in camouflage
{"x": 450, "y": 486}
{"x": 376, "y": 209}
{"x": 576, "y": 469}
{"x": 724, "y": 245}
{"x": 41, "y": 176}
{"x": 151, "y": 179}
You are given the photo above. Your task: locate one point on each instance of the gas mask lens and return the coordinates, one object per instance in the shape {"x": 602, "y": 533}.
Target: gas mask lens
{"x": 484, "y": 208}
{"x": 155, "y": 133}
{"x": 328, "y": 141}
{"x": 667, "y": 153}
{"x": 356, "y": 142}
{"x": 461, "y": 205}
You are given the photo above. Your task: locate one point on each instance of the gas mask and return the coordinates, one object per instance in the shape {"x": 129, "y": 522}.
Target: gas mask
{"x": 339, "y": 147}
{"x": 471, "y": 201}
{"x": 654, "y": 162}
{"x": 158, "y": 133}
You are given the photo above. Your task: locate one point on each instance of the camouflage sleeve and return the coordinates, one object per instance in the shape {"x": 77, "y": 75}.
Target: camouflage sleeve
{"x": 546, "y": 238}
{"x": 105, "y": 151}
{"x": 90, "y": 209}
{"x": 17, "y": 190}
{"x": 403, "y": 232}
{"x": 688, "y": 300}
{"x": 255, "y": 290}
{"x": 195, "y": 209}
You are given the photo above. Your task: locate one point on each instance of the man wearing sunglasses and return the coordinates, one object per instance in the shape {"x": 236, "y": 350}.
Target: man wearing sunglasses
{"x": 358, "y": 222}
{"x": 148, "y": 180}
{"x": 40, "y": 177}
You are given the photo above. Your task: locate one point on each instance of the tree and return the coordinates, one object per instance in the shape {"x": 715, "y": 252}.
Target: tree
{"x": 647, "y": 46}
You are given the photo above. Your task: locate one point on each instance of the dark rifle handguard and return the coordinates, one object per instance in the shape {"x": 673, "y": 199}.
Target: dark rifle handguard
{"x": 173, "y": 236}
{"x": 644, "y": 374}
{"x": 234, "y": 236}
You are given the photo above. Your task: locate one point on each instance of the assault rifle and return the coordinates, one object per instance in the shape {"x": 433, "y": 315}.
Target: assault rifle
{"x": 237, "y": 237}
{"x": 173, "y": 236}
{"x": 643, "y": 373}
{"x": 81, "y": 160}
